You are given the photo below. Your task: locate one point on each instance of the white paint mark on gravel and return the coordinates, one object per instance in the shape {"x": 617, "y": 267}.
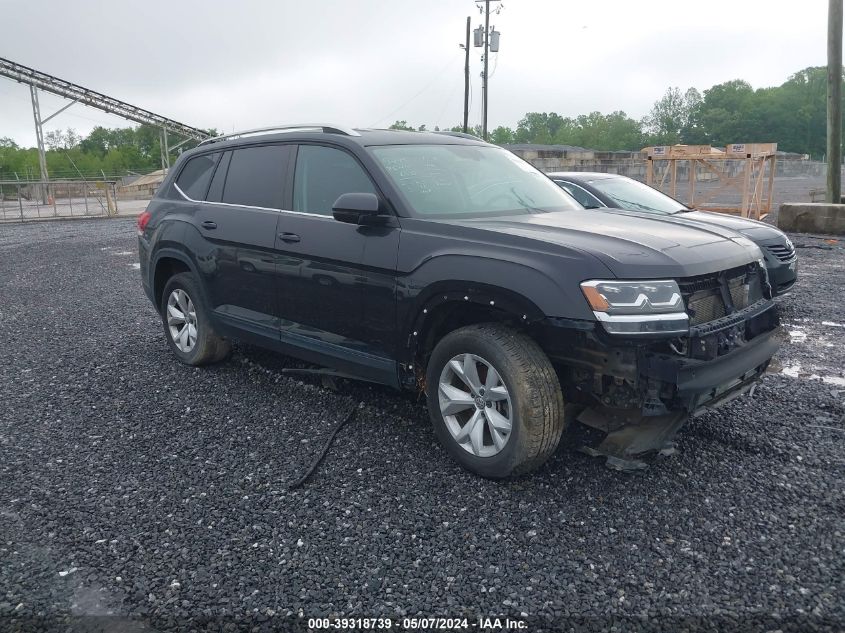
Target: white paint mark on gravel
{"x": 796, "y": 336}
{"x": 791, "y": 370}
{"x": 794, "y": 371}
{"x": 69, "y": 571}
{"x": 832, "y": 324}
{"x": 136, "y": 266}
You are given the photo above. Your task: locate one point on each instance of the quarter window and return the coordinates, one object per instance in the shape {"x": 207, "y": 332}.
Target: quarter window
{"x": 322, "y": 175}
{"x": 215, "y": 190}
{"x": 256, "y": 176}
{"x": 196, "y": 174}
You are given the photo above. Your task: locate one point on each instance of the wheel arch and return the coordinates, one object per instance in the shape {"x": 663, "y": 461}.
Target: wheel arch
{"x": 444, "y": 307}
{"x": 168, "y": 262}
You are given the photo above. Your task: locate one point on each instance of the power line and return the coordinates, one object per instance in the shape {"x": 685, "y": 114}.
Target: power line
{"x": 446, "y": 103}
{"x": 426, "y": 87}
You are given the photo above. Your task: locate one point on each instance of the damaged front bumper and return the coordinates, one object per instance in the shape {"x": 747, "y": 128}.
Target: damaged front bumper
{"x": 660, "y": 375}
{"x": 640, "y": 392}
{"x": 725, "y": 357}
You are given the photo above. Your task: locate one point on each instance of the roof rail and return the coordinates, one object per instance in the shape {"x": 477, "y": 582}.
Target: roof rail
{"x": 328, "y": 129}
{"x": 459, "y": 134}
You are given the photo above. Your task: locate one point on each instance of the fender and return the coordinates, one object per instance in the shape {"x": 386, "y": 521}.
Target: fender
{"x": 484, "y": 279}
{"x": 486, "y": 296}
{"x": 468, "y": 293}
{"x": 546, "y": 274}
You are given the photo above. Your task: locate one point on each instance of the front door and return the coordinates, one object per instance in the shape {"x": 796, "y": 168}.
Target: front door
{"x": 332, "y": 274}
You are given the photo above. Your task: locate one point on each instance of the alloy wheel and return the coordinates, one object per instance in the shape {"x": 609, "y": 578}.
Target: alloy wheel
{"x": 475, "y": 405}
{"x": 182, "y": 320}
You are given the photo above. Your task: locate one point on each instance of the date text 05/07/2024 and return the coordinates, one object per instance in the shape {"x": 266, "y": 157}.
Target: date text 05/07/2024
{"x": 418, "y": 624}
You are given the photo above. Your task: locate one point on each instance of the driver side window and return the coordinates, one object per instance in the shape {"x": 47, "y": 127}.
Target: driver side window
{"x": 322, "y": 175}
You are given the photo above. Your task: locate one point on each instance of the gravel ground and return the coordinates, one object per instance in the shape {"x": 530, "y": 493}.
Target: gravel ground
{"x": 154, "y": 495}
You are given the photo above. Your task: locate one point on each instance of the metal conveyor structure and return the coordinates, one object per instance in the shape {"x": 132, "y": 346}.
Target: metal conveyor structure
{"x": 78, "y": 94}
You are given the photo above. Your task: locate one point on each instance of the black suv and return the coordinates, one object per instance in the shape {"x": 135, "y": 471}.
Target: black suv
{"x": 444, "y": 265}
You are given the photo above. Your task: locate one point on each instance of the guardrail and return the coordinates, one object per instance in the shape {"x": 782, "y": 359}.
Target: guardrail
{"x": 22, "y": 200}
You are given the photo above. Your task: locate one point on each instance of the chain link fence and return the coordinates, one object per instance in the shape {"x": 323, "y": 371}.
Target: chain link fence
{"x": 31, "y": 200}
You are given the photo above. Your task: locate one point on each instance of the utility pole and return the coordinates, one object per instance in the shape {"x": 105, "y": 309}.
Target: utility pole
{"x": 39, "y": 139}
{"x": 489, "y": 39}
{"x": 486, "y": 56}
{"x": 834, "y": 101}
{"x": 466, "y": 79}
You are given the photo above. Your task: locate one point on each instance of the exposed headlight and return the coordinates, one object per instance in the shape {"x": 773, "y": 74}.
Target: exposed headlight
{"x": 637, "y": 307}
{"x": 633, "y": 297}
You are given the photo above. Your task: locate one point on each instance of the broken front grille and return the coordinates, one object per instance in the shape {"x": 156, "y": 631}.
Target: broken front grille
{"x": 704, "y": 296}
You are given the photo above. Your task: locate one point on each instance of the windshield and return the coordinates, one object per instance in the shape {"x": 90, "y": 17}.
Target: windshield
{"x": 468, "y": 181}
{"x": 635, "y": 196}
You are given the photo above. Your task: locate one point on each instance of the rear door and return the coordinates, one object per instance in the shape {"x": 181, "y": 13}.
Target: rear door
{"x": 238, "y": 223}
{"x": 336, "y": 280}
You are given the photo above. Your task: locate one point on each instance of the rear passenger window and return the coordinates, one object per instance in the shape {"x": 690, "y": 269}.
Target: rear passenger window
{"x": 196, "y": 174}
{"x": 256, "y": 176}
{"x": 322, "y": 175}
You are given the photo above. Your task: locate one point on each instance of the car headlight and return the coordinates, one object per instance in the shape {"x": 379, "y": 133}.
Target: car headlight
{"x": 637, "y": 307}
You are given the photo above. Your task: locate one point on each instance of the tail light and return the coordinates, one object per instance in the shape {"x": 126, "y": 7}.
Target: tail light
{"x": 143, "y": 219}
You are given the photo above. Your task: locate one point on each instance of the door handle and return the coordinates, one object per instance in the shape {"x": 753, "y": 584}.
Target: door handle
{"x": 208, "y": 224}
{"x": 289, "y": 237}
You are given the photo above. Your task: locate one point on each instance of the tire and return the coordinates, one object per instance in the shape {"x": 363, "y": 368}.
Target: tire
{"x": 531, "y": 400}
{"x": 205, "y": 346}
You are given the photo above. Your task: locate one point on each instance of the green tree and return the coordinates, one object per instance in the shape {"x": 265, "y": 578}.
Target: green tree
{"x": 56, "y": 139}
{"x": 538, "y": 127}
{"x": 402, "y": 125}
{"x": 502, "y": 135}
{"x": 725, "y": 113}
{"x": 614, "y": 131}
{"x": 671, "y": 115}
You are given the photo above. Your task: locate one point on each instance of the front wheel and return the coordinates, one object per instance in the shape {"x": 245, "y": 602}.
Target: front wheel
{"x": 186, "y": 325}
{"x": 494, "y": 400}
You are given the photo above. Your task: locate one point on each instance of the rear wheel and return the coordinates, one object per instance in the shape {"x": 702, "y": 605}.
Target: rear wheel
{"x": 189, "y": 332}
{"x": 495, "y": 400}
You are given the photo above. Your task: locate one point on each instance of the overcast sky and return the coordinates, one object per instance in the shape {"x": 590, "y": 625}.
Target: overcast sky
{"x": 235, "y": 64}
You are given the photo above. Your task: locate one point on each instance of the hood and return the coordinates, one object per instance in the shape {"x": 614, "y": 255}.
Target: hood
{"x": 638, "y": 246}
{"x": 752, "y": 229}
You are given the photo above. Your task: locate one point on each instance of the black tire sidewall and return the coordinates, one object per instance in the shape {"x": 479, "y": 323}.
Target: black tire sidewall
{"x": 503, "y": 463}
{"x": 186, "y": 282}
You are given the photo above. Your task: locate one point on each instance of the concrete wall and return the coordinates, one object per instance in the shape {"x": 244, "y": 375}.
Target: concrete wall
{"x": 812, "y": 217}
{"x": 561, "y": 158}
{"x": 549, "y": 158}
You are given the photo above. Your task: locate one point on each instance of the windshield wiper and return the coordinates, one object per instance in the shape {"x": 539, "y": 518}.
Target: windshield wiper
{"x": 522, "y": 201}
{"x": 636, "y": 206}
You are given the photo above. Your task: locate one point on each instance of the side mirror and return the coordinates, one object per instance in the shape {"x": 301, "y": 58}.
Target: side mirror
{"x": 357, "y": 208}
